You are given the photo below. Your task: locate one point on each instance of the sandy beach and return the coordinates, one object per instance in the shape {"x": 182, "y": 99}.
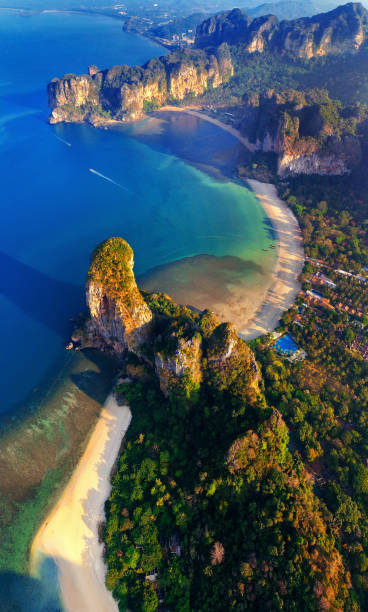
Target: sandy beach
{"x": 254, "y": 309}
{"x": 224, "y": 126}
{"x": 69, "y": 535}
{"x": 285, "y": 284}
{"x": 233, "y": 288}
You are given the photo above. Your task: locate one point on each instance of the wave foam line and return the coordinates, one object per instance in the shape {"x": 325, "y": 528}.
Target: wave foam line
{"x": 109, "y": 180}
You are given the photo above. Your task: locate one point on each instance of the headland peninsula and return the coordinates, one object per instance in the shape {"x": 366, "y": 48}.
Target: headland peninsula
{"x": 192, "y": 377}
{"x": 266, "y": 435}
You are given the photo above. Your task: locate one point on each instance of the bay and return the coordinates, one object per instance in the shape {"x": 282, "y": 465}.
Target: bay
{"x": 65, "y": 188}
{"x": 164, "y": 185}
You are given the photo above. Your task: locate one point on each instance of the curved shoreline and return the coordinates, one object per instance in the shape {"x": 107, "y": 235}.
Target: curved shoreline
{"x": 69, "y": 535}
{"x": 285, "y": 285}
{"x": 224, "y": 126}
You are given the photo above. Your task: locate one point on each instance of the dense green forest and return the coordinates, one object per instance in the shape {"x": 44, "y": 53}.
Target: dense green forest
{"x": 333, "y": 215}
{"x": 248, "y": 489}
{"x": 324, "y": 399}
{"x": 211, "y": 508}
{"x": 240, "y": 492}
{"x": 345, "y": 77}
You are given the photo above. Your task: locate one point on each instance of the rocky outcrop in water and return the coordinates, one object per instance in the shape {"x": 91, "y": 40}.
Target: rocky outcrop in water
{"x": 341, "y": 30}
{"x": 309, "y": 132}
{"x": 182, "y": 347}
{"x": 120, "y": 319}
{"x": 124, "y": 93}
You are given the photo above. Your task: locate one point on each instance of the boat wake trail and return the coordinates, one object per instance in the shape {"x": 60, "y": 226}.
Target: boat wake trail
{"x": 64, "y": 141}
{"x": 109, "y": 180}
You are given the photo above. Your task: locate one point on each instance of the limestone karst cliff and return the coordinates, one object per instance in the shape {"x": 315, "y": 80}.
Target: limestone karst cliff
{"x": 341, "y": 30}
{"x": 309, "y": 132}
{"x": 119, "y": 317}
{"x": 124, "y": 93}
{"x": 182, "y": 361}
{"x": 183, "y": 348}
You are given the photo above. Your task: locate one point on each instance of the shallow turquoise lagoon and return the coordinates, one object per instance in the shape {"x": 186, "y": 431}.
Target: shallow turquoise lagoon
{"x": 65, "y": 188}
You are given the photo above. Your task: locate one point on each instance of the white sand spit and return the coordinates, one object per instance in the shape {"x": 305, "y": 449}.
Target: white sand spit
{"x": 70, "y": 533}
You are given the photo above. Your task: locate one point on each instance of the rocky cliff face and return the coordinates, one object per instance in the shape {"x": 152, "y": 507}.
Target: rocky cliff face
{"x": 182, "y": 347}
{"x": 341, "y": 30}
{"x": 309, "y": 132}
{"x": 183, "y": 365}
{"x": 119, "y": 317}
{"x": 229, "y": 358}
{"x": 123, "y": 93}
{"x": 202, "y": 349}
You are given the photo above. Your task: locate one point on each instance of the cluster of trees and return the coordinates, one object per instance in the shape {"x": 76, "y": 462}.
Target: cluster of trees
{"x": 344, "y": 76}
{"x": 254, "y": 73}
{"x": 150, "y": 105}
{"x": 210, "y": 509}
{"x": 230, "y": 499}
{"x": 257, "y": 72}
{"x": 324, "y": 401}
{"x": 332, "y": 214}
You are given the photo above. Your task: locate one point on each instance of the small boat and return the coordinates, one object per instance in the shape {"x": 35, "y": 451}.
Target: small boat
{"x": 264, "y": 249}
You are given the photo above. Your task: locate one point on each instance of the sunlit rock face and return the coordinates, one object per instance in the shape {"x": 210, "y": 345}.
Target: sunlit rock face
{"x": 341, "y": 30}
{"x": 183, "y": 349}
{"x": 119, "y": 317}
{"x": 124, "y": 93}
{"x": 228, "y": 357}
{"x": 210, "y": 352}
{"x": 306, "y": 130}
{"x": 184, "y": 362}
{"x": 67, "y": 97}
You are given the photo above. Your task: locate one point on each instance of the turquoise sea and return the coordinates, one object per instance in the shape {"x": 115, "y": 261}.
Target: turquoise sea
{"x": 55, "y": 210}
{"x": 164, "y": 185}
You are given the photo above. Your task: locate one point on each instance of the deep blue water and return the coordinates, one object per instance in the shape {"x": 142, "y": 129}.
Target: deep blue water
{"x": 47, "y": 194}
{"x": 54, "y": 210}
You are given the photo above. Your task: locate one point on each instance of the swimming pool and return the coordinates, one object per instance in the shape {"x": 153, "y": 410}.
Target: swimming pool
{"x": 286, "y": 345}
